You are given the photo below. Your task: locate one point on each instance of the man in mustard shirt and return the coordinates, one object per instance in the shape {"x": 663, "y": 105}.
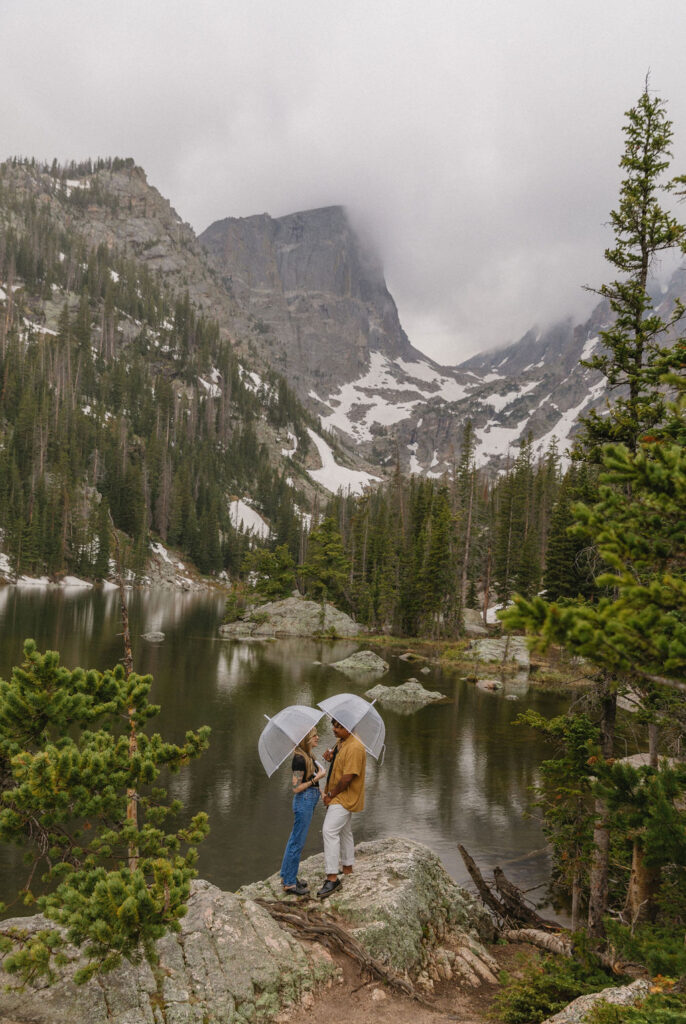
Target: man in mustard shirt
{"x": 344, "y": 797}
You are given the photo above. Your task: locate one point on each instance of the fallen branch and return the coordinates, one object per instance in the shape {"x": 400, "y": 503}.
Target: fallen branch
{"x": 507, "y": 902}
{"x": 513, "y": 900}
{"x": 315, "y": 927}
{"x": 491, "y": 901}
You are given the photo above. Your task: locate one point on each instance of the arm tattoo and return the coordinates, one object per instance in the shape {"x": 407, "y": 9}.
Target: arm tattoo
{"x": 297, "y": 778}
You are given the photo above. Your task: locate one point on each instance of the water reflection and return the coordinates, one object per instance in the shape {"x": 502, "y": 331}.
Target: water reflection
{"x": 456, "y": 772}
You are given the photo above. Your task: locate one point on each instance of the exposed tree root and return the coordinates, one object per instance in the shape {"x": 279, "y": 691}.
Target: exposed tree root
{"x": 317, "y": 927}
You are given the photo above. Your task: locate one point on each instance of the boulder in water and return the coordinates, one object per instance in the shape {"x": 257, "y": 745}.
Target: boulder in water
{"x": 292, "y": 617}
{"x": 409, "y": 695}
{"x": 362, "y": 663}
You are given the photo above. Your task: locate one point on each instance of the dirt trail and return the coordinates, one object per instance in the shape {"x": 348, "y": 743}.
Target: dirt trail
{"x": 357, "y": 1001}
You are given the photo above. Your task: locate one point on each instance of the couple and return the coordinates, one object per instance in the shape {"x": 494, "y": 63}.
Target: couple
{"x": 343, "y": 796}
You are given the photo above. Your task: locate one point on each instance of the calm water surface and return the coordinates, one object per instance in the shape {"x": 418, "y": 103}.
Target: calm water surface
{"x": 453, "y": 773}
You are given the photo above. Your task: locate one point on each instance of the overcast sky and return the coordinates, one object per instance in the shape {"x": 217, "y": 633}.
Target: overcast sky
{"x": 477, "y": 142}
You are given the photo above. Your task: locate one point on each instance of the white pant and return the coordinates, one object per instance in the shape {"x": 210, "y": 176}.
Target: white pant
{"x": 339, "y": 845}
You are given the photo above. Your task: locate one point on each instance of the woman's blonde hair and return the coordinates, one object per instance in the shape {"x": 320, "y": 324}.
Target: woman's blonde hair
{"x": 304, "y": 748}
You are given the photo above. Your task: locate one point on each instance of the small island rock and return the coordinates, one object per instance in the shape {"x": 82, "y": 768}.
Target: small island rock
{"x": 362, "y": 663}
{"x": 492, "y": 685}
{"x": 503, "y": 649}
{"x": 409, "y": 695}
{"x": 292, "y": 617}
{"x": 154, "y": 636}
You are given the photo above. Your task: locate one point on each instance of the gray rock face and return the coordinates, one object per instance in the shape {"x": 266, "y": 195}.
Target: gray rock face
{"x": 473, "y": 623}
{"x": 154, "y": 636}
{"x": 503, "y": 649}
{"x": 399, "y": 903}
{"x": 410, "y": 694}
{"x": 292, "y": 617}
{"x": 230, "y": 962}
{"x": 362, "y": 663}
{"x": 626, "y": 995}
{"x": 316, "y": 291}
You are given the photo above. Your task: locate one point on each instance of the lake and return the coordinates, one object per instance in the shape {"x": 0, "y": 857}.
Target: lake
{"x": 453, "y": 773}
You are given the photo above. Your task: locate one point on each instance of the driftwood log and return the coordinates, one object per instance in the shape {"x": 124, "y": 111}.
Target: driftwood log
{"x": 317, "y": 927}
{"x": 564, "y": 946}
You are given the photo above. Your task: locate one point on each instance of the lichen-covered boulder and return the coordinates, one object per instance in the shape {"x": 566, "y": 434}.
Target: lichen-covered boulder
{"x": 409, "y": 695}
{"x": 399, "y": 903}
{"x": 292, "y": 617}
{"x": 230, "y": 962}
{"x": 362, "y": 663}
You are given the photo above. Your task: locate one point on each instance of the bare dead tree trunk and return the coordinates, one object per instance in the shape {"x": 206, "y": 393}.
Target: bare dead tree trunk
{"x": 487, "y": 584}
{"x": 127, "y": 661}
{"x": 643, "y": 885}
{"x": 598, "y": 881}
{"x": 576, "y": 899}
{"x": 467, "y": 544}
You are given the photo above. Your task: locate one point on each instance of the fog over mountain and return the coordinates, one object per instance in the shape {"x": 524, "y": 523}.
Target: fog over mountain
{"x": 477, "y": 143}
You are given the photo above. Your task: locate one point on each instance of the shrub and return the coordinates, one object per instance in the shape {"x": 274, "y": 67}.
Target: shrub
{"x": 546, "y": 986}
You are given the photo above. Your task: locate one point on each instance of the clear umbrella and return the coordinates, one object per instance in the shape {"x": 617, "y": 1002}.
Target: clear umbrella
{"x": 358, "y": 716}
{"x": 283, "y": 732}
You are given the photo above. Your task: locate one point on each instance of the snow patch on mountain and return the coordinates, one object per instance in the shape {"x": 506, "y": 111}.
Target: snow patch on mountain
{"x": 245, "y": 517}
{"x": 361, "y": 403}
{"x": 288, "y": 453}
{"x": 333, "y": 476}
{"x": 496, "y": 440}
{"x": 589, "y": 345}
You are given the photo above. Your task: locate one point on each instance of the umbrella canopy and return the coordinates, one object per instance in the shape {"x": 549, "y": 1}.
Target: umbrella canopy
{"x": 358, "y": 716}
{"x": 283, "y": 732}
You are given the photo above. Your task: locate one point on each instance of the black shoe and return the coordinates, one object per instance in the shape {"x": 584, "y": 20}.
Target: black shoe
{"x": 328, "y": 887}
{"x": 299, "y": 889}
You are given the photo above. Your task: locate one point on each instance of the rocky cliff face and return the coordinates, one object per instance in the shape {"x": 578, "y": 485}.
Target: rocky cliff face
{"x": 313, "y": 292}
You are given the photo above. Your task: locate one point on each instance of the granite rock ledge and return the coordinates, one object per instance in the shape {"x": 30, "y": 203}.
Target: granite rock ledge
{"x": 232, "y": 963}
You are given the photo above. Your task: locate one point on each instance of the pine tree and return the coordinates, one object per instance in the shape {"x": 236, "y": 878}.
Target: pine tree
{"x": 66, "y": 770}
{"x": 635, "y": 357}
{"x": 635, "y": 633}
{"x": 327, "y": 568}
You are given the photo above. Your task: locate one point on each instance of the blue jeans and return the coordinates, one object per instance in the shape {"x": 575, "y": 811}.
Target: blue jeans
{"x": 303, "y": 808}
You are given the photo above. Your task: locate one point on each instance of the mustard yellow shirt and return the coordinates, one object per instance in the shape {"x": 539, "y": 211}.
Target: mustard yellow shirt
{"x": 351, "y": 759}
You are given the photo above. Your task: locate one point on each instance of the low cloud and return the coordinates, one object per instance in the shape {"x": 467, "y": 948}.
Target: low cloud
{"x": 478, "y": 143}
